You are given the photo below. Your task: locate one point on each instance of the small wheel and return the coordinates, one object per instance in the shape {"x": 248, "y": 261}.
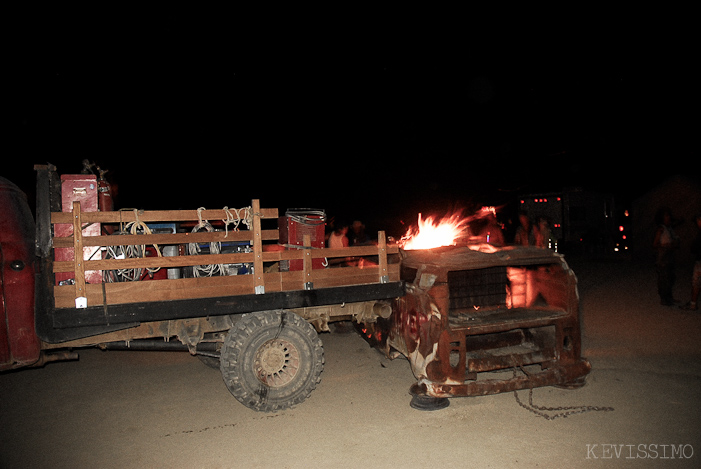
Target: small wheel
{"x": 574, "y": 384}
{"x": 271, "y": 360}
{"x": 428, "y": 403}
{"x": 421, "y": 401}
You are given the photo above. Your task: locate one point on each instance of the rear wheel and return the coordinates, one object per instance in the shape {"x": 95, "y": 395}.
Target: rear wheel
{"x": 271, "y": 360}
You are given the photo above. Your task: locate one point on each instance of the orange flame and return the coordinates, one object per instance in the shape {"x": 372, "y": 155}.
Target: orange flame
{"x": 433, "y": 233}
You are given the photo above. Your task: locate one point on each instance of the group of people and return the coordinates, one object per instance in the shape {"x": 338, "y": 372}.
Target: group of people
{"x": 344, "y": 235}
{"x": 666, "y": 243}
{"x": 529, "y": 234}
{"x": 486, "y": 229}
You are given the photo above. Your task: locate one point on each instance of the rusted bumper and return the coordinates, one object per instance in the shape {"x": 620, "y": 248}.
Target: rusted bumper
{"x": 559, "y": 375}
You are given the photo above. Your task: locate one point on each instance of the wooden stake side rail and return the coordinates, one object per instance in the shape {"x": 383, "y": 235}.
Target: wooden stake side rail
{"x": 151, "y": 216}
{"x": 83, "y": 294}
{"x": 165, "y": 239}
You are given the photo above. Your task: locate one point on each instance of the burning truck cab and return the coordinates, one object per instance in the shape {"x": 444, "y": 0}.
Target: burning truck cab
{"x": 479, "y": 320}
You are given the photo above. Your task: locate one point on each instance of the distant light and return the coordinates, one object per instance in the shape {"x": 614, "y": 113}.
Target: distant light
{"x": 620, "y": 228}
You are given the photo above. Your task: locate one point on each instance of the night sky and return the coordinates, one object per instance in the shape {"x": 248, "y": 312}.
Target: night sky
{"x": 378, "y": 125}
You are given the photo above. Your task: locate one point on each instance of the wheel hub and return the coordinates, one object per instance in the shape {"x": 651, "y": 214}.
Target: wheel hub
{"x": 276, "y": 362}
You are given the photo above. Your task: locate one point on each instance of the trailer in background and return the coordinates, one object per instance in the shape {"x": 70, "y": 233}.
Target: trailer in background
{"x": 580, "y": 221}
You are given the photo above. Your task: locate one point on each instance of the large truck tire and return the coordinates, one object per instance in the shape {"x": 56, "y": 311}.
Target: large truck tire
{"x": 271, "y": 360}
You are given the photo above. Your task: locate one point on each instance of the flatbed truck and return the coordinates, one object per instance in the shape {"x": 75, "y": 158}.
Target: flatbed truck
{"x": 459, "y": 314}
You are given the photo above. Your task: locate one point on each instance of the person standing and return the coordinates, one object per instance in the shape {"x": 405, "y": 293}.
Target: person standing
{"x": 666, "y": 243}
{"x": 524, "y": 233}
{"x": 339, "y": 238}
{"x": 543, "y": 234}
{"x": 696, "y": 275}
{"x": 357, "y": 234}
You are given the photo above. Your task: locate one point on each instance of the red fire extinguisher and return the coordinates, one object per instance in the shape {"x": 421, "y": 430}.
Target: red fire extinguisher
{"x": 105, "y": 203}
{"x": 104, "y": 192}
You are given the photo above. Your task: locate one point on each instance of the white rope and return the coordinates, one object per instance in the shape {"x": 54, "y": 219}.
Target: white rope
{"x": 243, "y": 215}
{"x": 214, "y": 248}
{"x": 135, "y": 227}
{"x": 233, "y": 217}
{"x": 229, "y": 219}
{"x": 138, "y": 227}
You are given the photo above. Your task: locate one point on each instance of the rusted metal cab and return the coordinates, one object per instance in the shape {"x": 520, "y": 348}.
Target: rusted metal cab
{"x": 19, "y": 345}
{"x": 481, "y": 320}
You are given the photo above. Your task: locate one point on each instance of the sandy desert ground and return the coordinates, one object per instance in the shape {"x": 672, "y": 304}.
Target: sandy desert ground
{"x": 166, "y": 409}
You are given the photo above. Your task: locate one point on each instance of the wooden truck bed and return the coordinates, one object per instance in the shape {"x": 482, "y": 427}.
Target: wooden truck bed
{"x": 78, "y": 309}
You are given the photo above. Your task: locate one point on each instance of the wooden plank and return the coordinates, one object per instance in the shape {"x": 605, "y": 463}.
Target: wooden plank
{"x": 283, "y": 281}
{"x": 382, "y": 246}
{"x": 257, "y": 248}
{"x": 78, "y": 262}
{"x": 212, "y": 287}
{"x": 154, "y": 216}
{"x": 169, "y": 262}
{"x": 350, "y": 273}
{"x": 324, "y": 278}
{"x": 339, "y": 282}
{"x": 215, "y": 236}
{"x": 354, "y": 251}
{"x": 158, "y": 290}
{"x": 211, "y": 259}
{"x": 158, "y": 261}
{"x": 163, "y": 239}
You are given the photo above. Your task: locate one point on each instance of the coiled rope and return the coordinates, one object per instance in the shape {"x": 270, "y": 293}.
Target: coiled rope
{"x": 136, "y": 227}
{"x": 243, "y": 215}
{"x": 214, "y": 248}
{"x": 233, "y": 217}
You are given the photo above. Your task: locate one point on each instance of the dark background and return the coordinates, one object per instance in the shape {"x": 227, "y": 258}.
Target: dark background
{"x": 373, "y": 122}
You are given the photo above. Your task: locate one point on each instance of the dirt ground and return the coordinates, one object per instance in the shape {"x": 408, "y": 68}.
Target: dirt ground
{"x": 161, "y": 409}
